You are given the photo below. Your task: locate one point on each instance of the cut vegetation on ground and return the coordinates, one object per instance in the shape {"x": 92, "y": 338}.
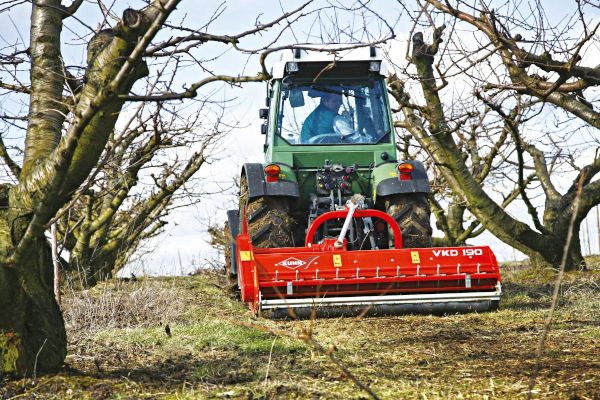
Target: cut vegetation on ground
{"x": 173, "y": 338}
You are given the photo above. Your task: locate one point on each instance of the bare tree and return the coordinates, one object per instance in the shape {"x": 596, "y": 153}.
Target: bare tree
{"x": 133, "y": 191}
{"x": 83, "y": 169}
{"x": 504, "y": 115}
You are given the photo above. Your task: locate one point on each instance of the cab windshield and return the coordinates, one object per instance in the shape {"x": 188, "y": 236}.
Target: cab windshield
{"x": 333, "y": 113}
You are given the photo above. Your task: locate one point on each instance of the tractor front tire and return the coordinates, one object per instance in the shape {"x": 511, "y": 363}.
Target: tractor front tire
{"x": 412, "y": 213}
{"x": 269, "y": 222}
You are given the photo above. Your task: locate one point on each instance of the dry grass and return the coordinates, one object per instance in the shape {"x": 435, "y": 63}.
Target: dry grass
{"x": 120, "y": 304}
{"x": 119, "y": 347}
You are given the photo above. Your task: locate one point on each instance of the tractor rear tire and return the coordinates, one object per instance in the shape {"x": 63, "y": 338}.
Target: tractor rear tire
{"x": 412, "y": 213}
{"x": 268, "y": 218}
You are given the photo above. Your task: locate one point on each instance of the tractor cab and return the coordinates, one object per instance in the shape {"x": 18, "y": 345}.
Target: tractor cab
{"x": 341, "y": 111}
{"x": 319, "y": 96}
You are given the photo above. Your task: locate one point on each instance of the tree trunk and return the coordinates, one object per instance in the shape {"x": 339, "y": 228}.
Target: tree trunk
{"x": 32, "y": 332}
{"x": 451, "y": 223}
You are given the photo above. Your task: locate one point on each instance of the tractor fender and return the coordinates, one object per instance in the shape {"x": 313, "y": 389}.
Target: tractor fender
{"x": 256, "y": 179}
{"x": 386, "y": 181}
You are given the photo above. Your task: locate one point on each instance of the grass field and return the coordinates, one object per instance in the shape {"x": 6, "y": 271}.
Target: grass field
{"x": 119, "y": 347}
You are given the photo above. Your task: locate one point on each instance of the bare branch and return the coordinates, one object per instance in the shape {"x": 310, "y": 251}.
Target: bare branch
{"x": 72, "y": 9}
{"x": 193, "y": 90}
{"x": 14, "y": 167}
{"x": 15, "y": 88}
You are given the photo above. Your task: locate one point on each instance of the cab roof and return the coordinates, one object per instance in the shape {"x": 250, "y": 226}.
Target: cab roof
{"x": 313, "y": 53}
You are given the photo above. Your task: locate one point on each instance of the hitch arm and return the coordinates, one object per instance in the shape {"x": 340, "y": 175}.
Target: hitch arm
{"x": 356, "y": 214}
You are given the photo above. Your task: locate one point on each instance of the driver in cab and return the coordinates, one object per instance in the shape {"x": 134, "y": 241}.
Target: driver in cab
{"x": 321, "y": 120}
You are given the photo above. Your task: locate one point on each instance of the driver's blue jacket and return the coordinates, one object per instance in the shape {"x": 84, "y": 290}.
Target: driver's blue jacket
{"x": 318, "y": 122}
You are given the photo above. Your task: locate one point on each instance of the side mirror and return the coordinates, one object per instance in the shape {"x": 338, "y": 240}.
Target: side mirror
{"x": 263, "y": 129}
{"x": 296, "y": 98}
{"x": 263, "y": 113}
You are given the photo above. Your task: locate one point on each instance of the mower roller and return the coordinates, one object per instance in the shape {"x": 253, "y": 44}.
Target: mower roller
{"x": 334, "y": 223}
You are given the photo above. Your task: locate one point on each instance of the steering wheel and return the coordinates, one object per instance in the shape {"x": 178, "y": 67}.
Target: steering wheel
{"x": 343, "y": 126}
{"x": 325, "y": 138}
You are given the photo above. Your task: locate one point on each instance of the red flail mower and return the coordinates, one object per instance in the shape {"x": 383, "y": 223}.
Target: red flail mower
{"x": 328, "y": 280}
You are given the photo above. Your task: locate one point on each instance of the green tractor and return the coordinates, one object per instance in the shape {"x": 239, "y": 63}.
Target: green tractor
{"x": 329, "y": 138}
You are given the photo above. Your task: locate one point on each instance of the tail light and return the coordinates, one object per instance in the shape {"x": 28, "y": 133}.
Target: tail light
{"x": 272, "y": 170}
{"x": 405, "y": 170}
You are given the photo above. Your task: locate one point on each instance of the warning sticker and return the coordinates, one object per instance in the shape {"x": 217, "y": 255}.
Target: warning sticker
{"x": 414, "y": 255}
{"x": 337, "y": 260}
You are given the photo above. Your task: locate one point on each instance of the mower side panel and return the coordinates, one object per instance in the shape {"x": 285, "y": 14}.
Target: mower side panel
{"x": 286, "y": 184}
{"x": 234, "y": 223}
{"x": 386, "y": 181}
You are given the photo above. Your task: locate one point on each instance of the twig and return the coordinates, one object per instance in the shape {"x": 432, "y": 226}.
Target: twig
{"x": 269, "y": 363}
{"x": 36, "y": 358}
{"x": 561, "y": 273}
{"x": 33, "y": 389}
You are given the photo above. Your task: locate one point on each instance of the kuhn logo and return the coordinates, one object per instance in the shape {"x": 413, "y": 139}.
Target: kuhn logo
{"x": 291, "y": 263}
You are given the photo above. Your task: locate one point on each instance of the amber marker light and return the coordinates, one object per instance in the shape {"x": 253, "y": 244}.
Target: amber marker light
{"x": 405, "y": 168}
